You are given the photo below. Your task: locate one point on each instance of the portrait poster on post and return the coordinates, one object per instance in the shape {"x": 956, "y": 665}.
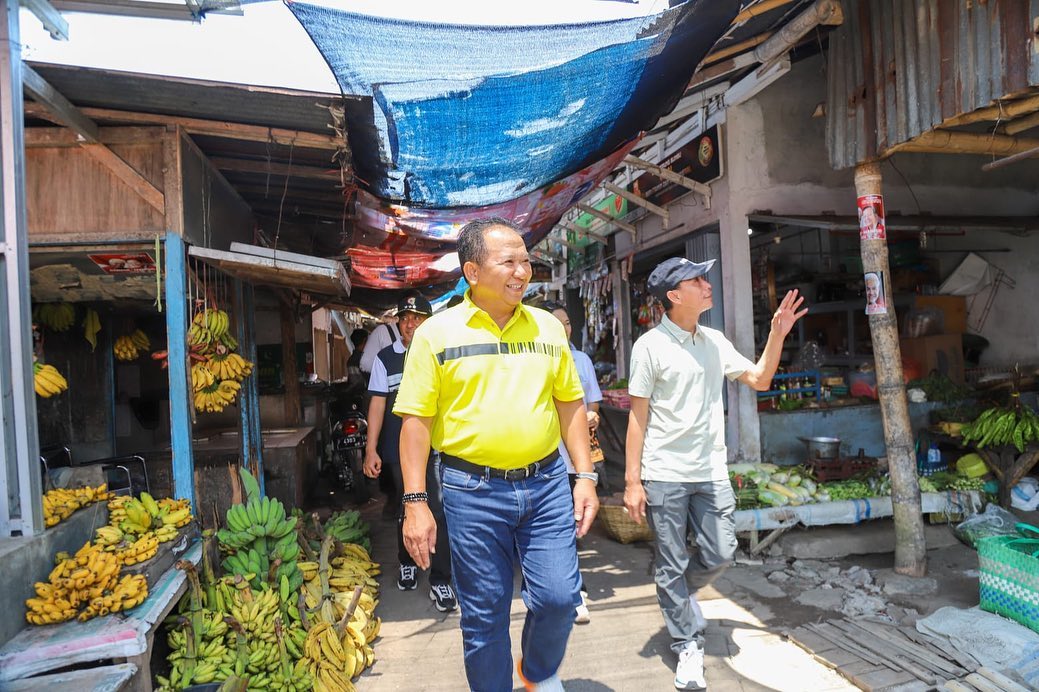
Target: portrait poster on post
{"x": 871, "y": 217}
{"x": 876, "y": 299}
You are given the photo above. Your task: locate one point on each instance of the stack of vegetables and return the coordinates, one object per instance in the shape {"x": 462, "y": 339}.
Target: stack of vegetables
{"x": 768, "y": 485}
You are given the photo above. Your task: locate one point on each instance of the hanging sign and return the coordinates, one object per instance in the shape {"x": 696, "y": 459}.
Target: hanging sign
{"x": 125, "y": 263}
{"x": 871, "y": 217}
{"x": 876, "y": 301}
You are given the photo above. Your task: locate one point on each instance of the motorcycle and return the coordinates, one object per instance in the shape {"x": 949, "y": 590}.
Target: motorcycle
{"x": 349, "y": 435}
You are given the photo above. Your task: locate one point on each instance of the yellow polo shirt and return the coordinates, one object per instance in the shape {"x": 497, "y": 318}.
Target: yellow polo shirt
{"x": 490, "y": 391}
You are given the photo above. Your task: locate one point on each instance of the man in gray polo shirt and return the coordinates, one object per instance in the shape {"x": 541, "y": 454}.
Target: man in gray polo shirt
{"x": 675, "y": 448}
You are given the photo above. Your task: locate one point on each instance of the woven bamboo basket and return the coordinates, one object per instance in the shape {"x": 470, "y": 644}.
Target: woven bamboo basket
{"x": 621, "y": 527}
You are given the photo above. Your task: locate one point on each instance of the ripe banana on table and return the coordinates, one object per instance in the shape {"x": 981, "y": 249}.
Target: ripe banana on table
{"x": 60, "y": 503}
{"x": 47, "y": 381}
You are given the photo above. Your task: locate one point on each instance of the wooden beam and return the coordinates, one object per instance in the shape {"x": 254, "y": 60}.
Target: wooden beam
{"x": 274, "y": 168}
{"x": 1022, "y": 124}
{"x": 51, "y": 19}
{"x": 1001, "y": 111}
{"x": 214, "y": 128}
{"x": 273, "y": 193}
{"x": 668, "y": 174}
{"x": 58, "y": 105}
{"x": 758, "y": 9}
{"x": 582, "y": 232}
{"x": 64, "y": 137}
{"x": 736, "y": 48}
{"x": 128, "y": 174}
{"x": 640, "y": 201}
{"x": 607, "y": 218}
{"x": 947, "y": 142}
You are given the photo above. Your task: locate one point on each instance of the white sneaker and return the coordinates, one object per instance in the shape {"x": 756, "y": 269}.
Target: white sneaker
{"x": 701, "y": 621}
{"x": 689, "y": 672}
{"x": 582, "y": 616}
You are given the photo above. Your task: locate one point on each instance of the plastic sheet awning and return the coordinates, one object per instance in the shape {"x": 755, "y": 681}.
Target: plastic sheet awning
{"x": 453, "y": 122}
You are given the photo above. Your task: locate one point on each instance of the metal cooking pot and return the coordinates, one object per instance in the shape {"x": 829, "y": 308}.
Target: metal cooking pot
{"x": 822, "y": 447}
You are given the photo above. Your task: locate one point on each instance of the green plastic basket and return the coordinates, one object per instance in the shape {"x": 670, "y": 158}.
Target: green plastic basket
{"x": 1010, "y": 576}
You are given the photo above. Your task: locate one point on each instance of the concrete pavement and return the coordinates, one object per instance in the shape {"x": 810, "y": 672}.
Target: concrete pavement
{"x": 625, "y": 647}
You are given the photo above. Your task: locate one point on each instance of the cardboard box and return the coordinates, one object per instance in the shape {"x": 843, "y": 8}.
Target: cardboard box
{"x": 942, "y": 353}
{"x": 953, "y": 309}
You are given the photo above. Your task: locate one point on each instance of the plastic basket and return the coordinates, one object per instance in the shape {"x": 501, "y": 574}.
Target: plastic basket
{"x": 621, "y": 527}
{"x": 1010, "y": 577}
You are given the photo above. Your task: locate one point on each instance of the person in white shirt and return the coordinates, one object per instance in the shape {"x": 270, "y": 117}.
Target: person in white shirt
{"x": 382, "y": 336}
{"x": 675, "y": 456}
{"x": 592, "y": 397}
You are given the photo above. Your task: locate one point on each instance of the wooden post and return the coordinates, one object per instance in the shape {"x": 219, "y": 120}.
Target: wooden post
{"x": 177, "y": 320}
{"x": 289, "y": 371}
{"x": 910, "y": 548}
{"x": 248, "y": 396}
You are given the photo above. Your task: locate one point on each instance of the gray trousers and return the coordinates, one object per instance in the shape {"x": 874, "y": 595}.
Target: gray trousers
{"x": 673, "y": 510}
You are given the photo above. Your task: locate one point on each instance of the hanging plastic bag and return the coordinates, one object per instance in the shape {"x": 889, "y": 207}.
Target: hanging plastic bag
{"x": 994, "y": 521}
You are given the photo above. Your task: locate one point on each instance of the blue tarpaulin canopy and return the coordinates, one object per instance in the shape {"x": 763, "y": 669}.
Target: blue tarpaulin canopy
{"x": 469, "y": 119}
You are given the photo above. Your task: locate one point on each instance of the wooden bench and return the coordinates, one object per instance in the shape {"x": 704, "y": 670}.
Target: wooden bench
{"x": 122, "y": 637}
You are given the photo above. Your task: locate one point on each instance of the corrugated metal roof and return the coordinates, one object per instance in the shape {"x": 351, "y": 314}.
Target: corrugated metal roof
{"x": 128, "y": 91}
{"x": 899, "y": 68}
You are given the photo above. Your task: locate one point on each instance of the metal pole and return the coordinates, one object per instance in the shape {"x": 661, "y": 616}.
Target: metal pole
{"x": 20, "y": 507}
{"x": 910, "y": 547}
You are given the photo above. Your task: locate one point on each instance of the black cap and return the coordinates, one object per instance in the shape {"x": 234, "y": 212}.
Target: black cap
{"x": 671, "y": 272}
{"x": 416, "y": 304}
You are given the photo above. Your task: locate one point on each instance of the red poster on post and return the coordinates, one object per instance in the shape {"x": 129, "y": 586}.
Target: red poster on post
{"x": 871, "y": 217}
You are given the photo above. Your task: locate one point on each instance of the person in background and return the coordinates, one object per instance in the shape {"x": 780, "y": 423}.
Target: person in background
{"x": 675, "y": 452}
{"x": 592, "y": 397}
{"x": 382, "y": 336}
{"x": 383, "y": 454}
{"x": 491, "y": 383}
{"x": 358, "y": 338}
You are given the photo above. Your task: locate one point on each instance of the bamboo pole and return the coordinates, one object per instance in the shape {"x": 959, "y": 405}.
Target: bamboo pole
{"x": 910, "y": 547}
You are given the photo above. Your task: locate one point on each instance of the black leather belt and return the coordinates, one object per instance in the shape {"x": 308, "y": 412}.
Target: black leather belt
{"x": 491, "y": 472}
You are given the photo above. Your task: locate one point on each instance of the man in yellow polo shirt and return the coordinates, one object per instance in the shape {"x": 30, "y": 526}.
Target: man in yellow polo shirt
{"x": 491, "y": 383}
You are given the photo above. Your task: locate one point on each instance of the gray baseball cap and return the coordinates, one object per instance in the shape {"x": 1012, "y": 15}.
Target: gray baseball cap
{"x": 671, "y": 272}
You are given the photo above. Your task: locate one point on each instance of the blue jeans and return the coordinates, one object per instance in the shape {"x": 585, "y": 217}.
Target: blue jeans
{"x": 490, "y": 521}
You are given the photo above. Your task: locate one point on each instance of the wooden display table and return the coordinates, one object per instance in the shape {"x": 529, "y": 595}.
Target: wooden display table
{"x": 122, "y": 637}
{"x": 1009, "y": 466}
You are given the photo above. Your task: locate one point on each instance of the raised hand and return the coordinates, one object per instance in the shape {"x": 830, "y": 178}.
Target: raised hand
{"x": 787, "y": 314}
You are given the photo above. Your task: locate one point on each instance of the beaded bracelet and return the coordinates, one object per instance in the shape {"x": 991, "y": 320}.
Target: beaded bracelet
{"x": 414, "y": 497}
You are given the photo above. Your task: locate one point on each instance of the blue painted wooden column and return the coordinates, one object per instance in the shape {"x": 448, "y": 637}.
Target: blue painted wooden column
{"x": 180, "y": 392}
{"x": 249, "y": 394}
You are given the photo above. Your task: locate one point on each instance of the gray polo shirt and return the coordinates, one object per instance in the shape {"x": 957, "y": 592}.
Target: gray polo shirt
{"x": 681, "y": 375}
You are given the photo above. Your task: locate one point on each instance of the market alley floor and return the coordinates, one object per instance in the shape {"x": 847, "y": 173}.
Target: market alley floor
{"x": 625, "y": 647}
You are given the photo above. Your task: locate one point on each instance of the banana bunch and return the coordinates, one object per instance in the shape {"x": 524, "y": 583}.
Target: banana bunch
{"x": 201, "y": 377}
{"x": 215, "y": 397}
{"x": 332, "y": 659}
{"x": 229, "y": 366}
{"x": 47, "y": 381}
{"x": 125, "y": 348}
{"x": 60, "y": 503}
{"x": 140, "y": 340}
{"x": 259, "y": 536}
{"x": 144, "y": 548}
{"x": 135, "y": 517}
{"x": 210, "y": 328}
{"x": 91, "y": 326}
{"x": 58, "y": 317}
{"x": 130, "y": 592}
{"x": 260, "y": 539}
{"x": 199, "y": 652}
{"x": 85, "y": 585}
{"x": 1017, "y": 425}
{"x": 289, "y": 677}
{"x": 347, "y": 527}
